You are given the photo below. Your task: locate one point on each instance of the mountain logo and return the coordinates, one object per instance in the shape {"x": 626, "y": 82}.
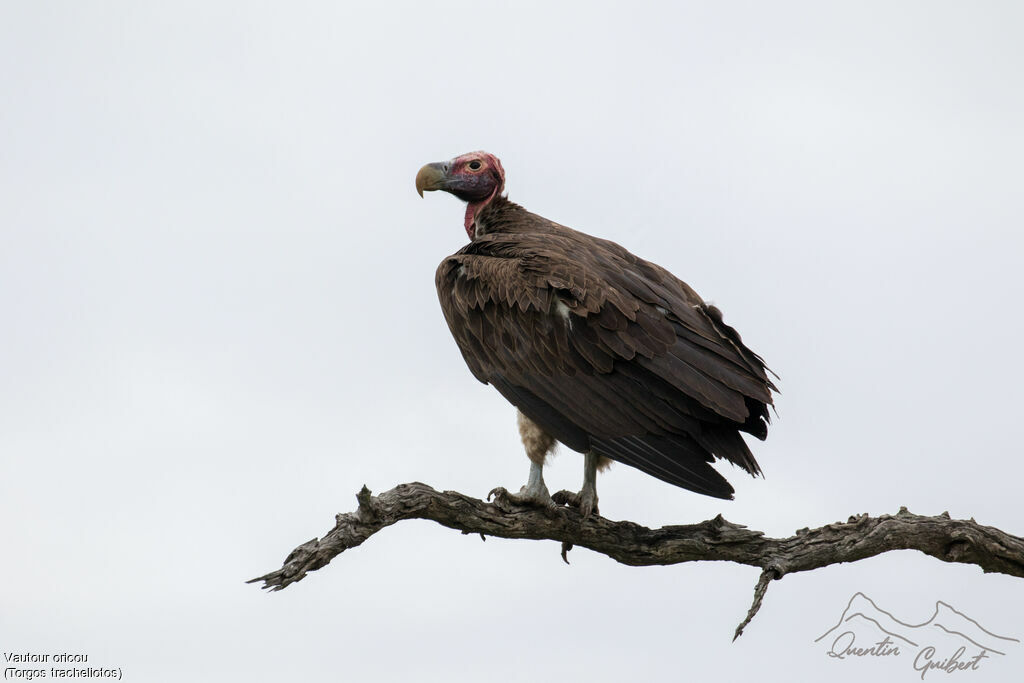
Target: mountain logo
{"x": 949, "y": 641}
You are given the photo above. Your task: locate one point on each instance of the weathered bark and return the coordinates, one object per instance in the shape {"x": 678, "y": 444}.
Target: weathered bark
{"x": 862, "y": 536}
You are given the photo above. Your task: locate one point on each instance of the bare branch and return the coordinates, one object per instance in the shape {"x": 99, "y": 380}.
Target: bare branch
{"x": 860, "y": 537}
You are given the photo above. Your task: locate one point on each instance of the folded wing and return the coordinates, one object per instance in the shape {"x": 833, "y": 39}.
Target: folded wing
{"x": 607, "y": 353}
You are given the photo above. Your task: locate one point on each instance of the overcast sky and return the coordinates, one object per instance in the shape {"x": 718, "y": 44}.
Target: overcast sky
{"x": 219, "y": 321}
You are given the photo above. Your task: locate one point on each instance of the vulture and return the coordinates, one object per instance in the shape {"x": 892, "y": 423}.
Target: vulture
{"x": 598, "y": 349}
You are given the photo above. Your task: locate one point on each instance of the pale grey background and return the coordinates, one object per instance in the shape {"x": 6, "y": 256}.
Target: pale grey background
{"x": 219, "y": 321}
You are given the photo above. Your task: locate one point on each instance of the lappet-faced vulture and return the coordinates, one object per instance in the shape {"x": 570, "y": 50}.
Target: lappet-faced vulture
{"x": 603, "y": 351}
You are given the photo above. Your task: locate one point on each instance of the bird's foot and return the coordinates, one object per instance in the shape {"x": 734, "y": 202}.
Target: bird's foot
{"x": 585, "y": 501}
{"x": 528, "y": 496}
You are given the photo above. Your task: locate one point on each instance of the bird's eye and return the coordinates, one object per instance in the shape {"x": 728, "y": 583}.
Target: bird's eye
{"x": 475, "y": 165}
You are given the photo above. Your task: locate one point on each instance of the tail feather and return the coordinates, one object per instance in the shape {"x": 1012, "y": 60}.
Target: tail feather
{"x": 677, "y": 460}
{"x": 727, "y": 443}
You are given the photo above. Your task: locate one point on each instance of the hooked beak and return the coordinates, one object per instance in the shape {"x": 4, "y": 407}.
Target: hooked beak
{"x": 432, "y": 177}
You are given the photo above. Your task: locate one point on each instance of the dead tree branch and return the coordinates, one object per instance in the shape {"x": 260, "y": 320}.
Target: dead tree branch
{"x": 862, "y": 536}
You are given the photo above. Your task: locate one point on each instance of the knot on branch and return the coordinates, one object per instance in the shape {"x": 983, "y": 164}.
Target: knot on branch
{"x": 776, "y": 568}
{"x": 719, "y": 527}
{"x": 957, "y": 550}
{"x": 303, "y": 552}
{"x": 367, "y": 511}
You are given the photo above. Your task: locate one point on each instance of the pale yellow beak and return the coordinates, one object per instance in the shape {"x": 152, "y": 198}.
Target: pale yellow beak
{"x": 431, "y": 177}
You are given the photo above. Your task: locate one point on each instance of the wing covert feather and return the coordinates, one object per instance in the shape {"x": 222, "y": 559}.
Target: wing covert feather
{"x": 607, "y": 352}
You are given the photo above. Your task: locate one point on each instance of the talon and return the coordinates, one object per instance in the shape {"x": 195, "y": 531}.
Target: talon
{"x": 566, "y": 547}
{"x": 584, "y": 501}
{"x": 567, "y": 498}
{"x": 535, "y": 493}
{"x": 588, "y": 506}
{"x": 527, "y": 497}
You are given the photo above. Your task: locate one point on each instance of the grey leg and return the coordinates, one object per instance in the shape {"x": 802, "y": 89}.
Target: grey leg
{"x": 535, "y": 491}
{"x": 538, "y": 445}
{"x": 588, "y": 495}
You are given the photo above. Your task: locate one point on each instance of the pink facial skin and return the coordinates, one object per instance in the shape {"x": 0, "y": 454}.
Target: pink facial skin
{"x": 476, "y": 178}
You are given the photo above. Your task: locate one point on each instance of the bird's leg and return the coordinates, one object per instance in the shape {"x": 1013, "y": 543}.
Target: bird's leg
{"x": 538, "y": 444}
{"x": 586, "y": 499}
{"x": 588, "y": 495}
{"x": 535, "y": 490}
{"x": 534, "y": 493}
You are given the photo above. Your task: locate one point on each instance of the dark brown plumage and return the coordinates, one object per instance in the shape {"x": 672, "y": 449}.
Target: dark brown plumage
{"x": 606, "y": 352}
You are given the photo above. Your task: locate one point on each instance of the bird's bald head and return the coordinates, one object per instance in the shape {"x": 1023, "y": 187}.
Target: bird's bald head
{"x": 476, "y": 177}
